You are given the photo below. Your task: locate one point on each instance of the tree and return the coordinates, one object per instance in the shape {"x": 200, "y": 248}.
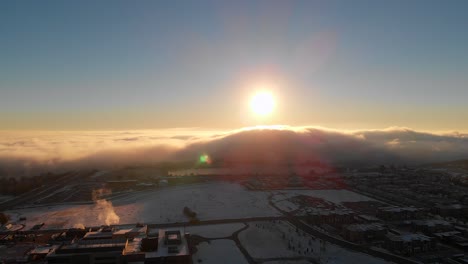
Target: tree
{"x": 4, "y": 218}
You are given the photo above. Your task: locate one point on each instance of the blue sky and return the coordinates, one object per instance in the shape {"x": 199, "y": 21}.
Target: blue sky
{"x": 154, "y": 64}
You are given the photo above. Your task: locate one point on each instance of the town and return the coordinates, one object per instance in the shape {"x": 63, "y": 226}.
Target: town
{"x": 381, "y": 214}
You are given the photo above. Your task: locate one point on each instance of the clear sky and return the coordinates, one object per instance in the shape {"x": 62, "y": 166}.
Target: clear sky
{"x": 73, "y": 65}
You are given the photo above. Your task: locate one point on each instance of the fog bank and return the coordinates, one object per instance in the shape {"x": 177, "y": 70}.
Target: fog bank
{"x": 30, "y": 153}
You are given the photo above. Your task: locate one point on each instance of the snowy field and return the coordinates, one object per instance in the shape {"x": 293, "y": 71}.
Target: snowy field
{"x": 213, "y": 200}
{"x": 214, "y": 231}
{"x": 218, "y": 251}
{"x": 66, "y": 216}
{"x": 280, "y": 239}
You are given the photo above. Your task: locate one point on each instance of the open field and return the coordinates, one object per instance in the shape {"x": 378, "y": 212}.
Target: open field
{"x": 211, "y": 201}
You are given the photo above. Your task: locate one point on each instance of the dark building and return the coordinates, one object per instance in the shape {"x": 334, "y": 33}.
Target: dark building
{"x": 93, "y": 251}
{"x": 399, "y": 213}
{"x": 409, "y": 244}
{"x": 364, "y": 232}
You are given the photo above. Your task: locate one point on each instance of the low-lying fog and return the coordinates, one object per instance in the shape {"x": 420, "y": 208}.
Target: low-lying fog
{"x": 29, "y": 153}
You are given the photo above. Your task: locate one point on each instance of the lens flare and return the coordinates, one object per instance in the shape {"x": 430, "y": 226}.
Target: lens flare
{"x": 205, "y": 159}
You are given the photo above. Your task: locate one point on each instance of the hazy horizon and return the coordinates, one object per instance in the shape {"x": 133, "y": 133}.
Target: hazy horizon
{"x": 30, "y": 153}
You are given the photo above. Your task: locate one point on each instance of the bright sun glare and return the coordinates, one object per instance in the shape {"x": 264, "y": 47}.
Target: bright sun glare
{"x": 262, "y": 103}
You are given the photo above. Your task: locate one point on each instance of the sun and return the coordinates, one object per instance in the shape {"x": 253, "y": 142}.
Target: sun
{"x": 262, "y": 103}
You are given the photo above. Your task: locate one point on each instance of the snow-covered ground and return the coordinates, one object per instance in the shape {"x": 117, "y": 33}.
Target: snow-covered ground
{"x": 214, "y": 231}
{"x": 212, "y": 200}
{"x": 286, "y": 205}
{"x": 215, "y": 200}
{"x": 280, "y": 239}
{"x": 218, "y": 251}
{"x": 265, "y": 240}
{"x": 65, "y": 216}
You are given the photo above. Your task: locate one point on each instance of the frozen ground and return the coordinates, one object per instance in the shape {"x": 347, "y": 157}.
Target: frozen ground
{"x": 213, "y": 200}
{"x": 218, "y": 251}
{"x": 279, "y": 239}
{"x": 214, "y": 231}
{"x": 65, "y": 216}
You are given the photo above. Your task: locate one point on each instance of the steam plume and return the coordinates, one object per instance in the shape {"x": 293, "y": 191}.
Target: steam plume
{"x": 106, "y": 211}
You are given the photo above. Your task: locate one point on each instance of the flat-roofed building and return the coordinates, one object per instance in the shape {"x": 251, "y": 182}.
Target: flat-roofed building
{"x": 93, "y": 251}
{"x": 104, "y": 245}
{"x": 169, "y": 246}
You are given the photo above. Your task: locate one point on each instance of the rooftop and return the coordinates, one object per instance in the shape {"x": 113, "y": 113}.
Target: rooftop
{"x": 85, "y": 246}
{"x": 409, "y": 237}
{"x": 365, "y": 227}
{"x": 163, "y": 249}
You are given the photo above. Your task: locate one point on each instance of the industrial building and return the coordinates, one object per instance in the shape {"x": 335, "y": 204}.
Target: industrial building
{"x": 169, "y": 246}
{"x": 135, "y": 244}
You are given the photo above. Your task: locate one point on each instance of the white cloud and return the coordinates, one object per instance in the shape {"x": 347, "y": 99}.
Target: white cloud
{"x": 29, "y": 153}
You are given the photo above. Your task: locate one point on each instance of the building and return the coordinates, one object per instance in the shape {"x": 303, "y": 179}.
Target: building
{"x": 367, "y": 218}
{"x": 130, "y": 232}
{"x": 454, "y": 238}
{"x": 431, "y": 226}
{"x": 168, "y": 246}
{"x": 335, "y": 217}
{"x": 101, "y": 246}
{"x": 364, "y": 232}
{"x": 92, "y": 251}
{"x": 15, "y": 253}
{"x": 451, "y": 210}
{"x": 409, "y": 244}
{"x": 399, "y": 213}
{"x": 41, "y": 252}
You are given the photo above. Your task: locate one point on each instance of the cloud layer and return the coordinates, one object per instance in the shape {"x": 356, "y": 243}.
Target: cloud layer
{"x": 29, "y": 153}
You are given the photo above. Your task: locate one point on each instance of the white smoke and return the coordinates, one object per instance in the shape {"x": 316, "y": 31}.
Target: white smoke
{"x": 106, "y": 211}
{"x": 79, "y": 226}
